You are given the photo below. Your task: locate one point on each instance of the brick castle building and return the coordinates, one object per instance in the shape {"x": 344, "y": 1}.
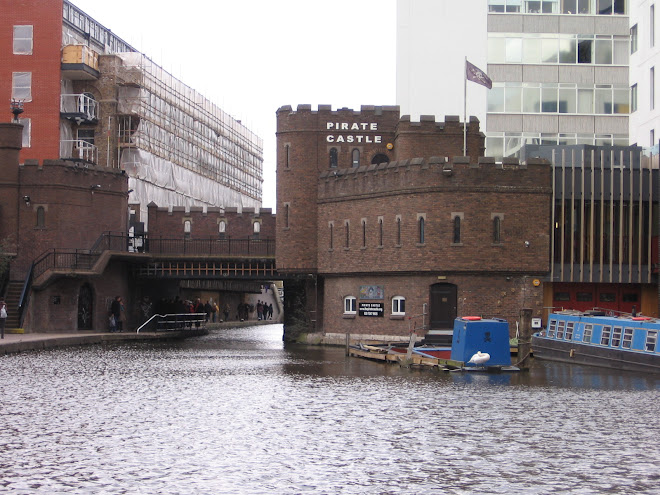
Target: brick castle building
{"x": 383, "y": 225}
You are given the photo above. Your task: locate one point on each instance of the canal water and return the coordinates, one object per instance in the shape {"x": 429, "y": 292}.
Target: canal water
{"x": 238, "y": 412}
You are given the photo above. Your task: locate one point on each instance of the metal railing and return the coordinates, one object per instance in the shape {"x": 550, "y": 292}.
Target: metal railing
{"x": 211, "y": 246}
{"x": 174, "y": 322}
{"x": 77, "y": 149}
{"x": 81, "y": 105}
{"x": 84, "y": 259}
{"x": 64, "y": 259}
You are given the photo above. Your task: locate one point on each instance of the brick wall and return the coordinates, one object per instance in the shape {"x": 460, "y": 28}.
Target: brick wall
{"x": 54, "y": 309}
{"x": 76, "y": 211}
{"x": 304, "y": 140}
{"x": 408, "y": 191}
{"x": 329, "y": 218}
{"x": 10, "y": 146}
{"x": 43, "y": 63}
{"x": 488, "y": 295}
{"x": 167, "y": 223}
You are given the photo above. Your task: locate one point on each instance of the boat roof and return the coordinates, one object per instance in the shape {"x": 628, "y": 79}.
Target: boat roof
{"x": 603, "y": 314}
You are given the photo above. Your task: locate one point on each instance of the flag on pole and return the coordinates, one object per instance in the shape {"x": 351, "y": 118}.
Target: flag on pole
{"x": 475, "y": 74}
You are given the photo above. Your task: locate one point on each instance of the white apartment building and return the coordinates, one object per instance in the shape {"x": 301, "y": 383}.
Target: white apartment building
{"x": 644, "y": 59}
{"x": 559, "y": 68}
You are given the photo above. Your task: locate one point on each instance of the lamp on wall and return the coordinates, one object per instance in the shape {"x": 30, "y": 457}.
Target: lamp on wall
{"x": 27, "y": 200}
{"x": 16, "y": 109}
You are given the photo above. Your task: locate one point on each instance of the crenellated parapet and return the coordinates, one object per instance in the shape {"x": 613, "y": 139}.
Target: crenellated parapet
{"x": 73, "y": 174}
{"x": 431, "y": 137}
{"x": 200, "y": 223}
{"x": 436, "y": 174}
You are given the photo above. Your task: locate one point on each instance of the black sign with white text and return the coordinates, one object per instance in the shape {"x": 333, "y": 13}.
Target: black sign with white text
{"x": 371, "y": 309}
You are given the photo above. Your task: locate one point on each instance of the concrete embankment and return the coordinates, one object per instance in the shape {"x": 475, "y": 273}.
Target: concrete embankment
{"x": 13, "y": 343}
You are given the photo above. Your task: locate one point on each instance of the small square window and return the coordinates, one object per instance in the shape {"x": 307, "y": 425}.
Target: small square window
{"x": 398, "y": 305}
{"x": 350, "y": 305}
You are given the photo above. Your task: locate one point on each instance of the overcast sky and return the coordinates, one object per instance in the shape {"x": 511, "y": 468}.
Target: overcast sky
{"x": 253, "y": 56}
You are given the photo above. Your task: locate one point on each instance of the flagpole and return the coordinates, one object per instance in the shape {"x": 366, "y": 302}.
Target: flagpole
{"x": 465, "y": 107}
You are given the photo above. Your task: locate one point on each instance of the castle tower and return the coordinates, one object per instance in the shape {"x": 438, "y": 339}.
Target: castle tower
{"x": 308, "y": 144}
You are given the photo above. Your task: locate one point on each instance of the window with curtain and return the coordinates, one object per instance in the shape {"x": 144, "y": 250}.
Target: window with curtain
{"x": 23, "y": 40}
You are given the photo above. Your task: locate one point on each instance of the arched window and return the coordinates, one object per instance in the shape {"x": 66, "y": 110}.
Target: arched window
{"x": 256, "y": 227}
{"x": 355, "y": 158}
{"x": 379, "y": 158}
{"x": 398, "y": 305}
{"x": 41, "y": 217}
{"x": 457, "y": 230}
{"x": 350, "y": 305}
{"x": 187, "y": 227}
{"x": 496, "y": 230}
{"x": 421, "y": 228}
{"x": 333, "y": 157}
{"x": 222, "y": 229}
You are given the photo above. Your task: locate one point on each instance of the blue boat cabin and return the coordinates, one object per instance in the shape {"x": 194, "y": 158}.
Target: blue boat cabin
{"x": 634, "y": 334}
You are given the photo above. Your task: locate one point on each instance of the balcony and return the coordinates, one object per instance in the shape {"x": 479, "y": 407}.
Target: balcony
{"x": 80, "y": 63}
{"x": 78, "y": 150}
{"x": 81, "y": 108}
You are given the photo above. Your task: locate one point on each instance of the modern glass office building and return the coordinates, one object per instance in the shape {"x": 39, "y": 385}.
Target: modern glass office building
{"x": 559, "y": 68}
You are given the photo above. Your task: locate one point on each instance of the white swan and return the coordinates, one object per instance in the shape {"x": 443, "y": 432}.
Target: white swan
{"x": 479, "y": 358}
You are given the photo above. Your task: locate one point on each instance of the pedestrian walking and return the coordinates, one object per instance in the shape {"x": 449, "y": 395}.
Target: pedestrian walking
{"x": 119, "y": 312}
{"x": 3, "y": 316}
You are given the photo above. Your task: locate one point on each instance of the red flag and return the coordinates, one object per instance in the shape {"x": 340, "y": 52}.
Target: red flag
{"x": 475, "y": 74}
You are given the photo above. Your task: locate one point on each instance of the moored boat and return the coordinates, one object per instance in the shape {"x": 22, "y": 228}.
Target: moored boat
{"x": 593, "y": 338}
{"x": 477, "y": 345}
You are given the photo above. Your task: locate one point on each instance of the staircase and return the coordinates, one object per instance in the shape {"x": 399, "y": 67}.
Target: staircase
{"x": 12, "y": 298}
{"x": 438, "y": 338}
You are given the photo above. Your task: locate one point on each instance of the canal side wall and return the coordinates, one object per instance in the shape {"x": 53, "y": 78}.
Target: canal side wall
{"x": 13, "y": 344}
{"x": 487, "y": 295}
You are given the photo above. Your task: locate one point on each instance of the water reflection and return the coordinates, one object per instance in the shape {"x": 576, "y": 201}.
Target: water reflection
{"x": 238, "y": 412}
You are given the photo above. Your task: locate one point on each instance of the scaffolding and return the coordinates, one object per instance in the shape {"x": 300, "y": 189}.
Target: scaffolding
{"x": 162, "y": 121}
{"x": 176, "y": 146}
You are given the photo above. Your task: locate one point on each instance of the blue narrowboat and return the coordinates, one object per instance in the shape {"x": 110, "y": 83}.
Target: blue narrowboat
{"x": 593, "y": 338}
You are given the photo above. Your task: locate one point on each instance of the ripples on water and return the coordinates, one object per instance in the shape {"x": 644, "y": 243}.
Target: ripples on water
{"x": 237, "y": 413}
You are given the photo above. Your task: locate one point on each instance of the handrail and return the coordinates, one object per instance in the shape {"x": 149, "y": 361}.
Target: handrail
{"x": 147, "y": 322}
{"x": 186, "y": 318}
{"x": 25, "y": 293}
